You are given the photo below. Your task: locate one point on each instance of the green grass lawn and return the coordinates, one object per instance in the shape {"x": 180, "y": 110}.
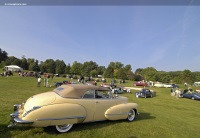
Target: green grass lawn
{"x": 160, "y": 116}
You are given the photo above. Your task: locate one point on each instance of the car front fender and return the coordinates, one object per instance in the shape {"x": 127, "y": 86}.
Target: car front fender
{"x": 120, "y": 111}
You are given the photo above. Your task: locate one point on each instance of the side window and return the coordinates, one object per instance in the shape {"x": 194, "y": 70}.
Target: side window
{"x": 103, "y": 94}
{"x": 89, "y": 94}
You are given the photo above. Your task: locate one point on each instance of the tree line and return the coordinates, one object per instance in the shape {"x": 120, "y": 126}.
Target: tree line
{"x": 116, "y": 70}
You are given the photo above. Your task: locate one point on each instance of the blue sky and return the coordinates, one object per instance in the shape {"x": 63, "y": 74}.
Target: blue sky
{"x": 164, "y": 37}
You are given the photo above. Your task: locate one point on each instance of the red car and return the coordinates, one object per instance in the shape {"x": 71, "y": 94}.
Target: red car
{"x": 105, "y": 85}
{"x": 140, "y": 83}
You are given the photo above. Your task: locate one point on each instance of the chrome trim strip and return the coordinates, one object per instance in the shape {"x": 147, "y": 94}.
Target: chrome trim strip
{"x": 17, "y": 120}
{"x": 125, "y": 113}
{"x": 63, "y": 118}
{"x": 15, "y": 114}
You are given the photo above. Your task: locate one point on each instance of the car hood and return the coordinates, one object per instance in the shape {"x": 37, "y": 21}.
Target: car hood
{"x": 40, "y": 100}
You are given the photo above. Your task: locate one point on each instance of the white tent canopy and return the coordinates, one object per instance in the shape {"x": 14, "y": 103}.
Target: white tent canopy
{"x": 12, "y": 68}
{"x": 197, "y": 83}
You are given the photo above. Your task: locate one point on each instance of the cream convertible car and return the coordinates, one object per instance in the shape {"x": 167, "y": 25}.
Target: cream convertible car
{"x": 72, "y": 104}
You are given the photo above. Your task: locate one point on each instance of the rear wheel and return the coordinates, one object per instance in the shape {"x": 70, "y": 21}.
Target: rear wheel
{"x": 131, "y": 115}
{"x": 192, "y": 98}
{"x": 64, "y": 128}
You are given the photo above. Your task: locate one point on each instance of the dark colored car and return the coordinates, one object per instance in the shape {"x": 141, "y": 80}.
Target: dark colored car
{"x": 57, "y": 84}
{"x": 191, "y": 95}
{"x": 145, "y": 93}
{"x": 175, "y": 86}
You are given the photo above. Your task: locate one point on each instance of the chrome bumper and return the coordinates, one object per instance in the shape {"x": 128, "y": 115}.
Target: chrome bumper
{"x": 15, "y": 120}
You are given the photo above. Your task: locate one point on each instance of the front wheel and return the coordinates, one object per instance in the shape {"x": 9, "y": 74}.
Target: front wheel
{"x": 64, "y": 128}
{"x": 131, "y": 115}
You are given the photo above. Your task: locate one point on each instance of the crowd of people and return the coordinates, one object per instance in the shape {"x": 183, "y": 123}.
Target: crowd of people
{"x": 177, "y": 92}
{"x": 46, "y": 82}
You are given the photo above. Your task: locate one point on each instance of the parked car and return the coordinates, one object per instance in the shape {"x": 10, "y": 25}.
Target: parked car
{"x": 72, "y": 104}
{"x": 168, "y": 85}
{"x": 91, "y": 83}
{"x": 145, "y": 93}
{"x": 198, "y": 91}
{"x": 117, "y": 90}
{"x": 175, "y": 86}
{"x": 57, "y": 75}
{"x": 57, "y": 84}
{"x": 159, "y": 85}
{"x": 140, "y": 83}
{"x": 105, "y": 85}
{"x": 191, "y": 95}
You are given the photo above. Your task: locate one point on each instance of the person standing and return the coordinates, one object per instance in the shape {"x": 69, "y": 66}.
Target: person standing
{"x": 39, "y": 81}
{"x": 45, "y": 82}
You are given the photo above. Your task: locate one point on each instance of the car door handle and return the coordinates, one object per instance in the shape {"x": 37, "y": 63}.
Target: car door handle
{"x": 97, "y": 101}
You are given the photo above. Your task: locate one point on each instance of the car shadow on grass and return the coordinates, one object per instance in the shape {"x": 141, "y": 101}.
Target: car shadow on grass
{"x": 100, "y": 124}
{"x": 5, "y": 131}
{"x": 83, "y": 126}
{"x": 144, "y": 116}
{"x": 77, "y": 127}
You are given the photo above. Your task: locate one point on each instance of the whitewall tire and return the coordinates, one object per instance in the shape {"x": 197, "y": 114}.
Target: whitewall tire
{"x": 131, "y": 115}
{"x": 64, "y": 128}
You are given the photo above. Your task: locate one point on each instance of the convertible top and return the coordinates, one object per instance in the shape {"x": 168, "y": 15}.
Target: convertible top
{"x": 76, "y": 90}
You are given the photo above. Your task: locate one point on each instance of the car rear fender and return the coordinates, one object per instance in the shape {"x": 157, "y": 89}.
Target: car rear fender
{"x": 120, "y": 111}
{"x": 57, "y": 114}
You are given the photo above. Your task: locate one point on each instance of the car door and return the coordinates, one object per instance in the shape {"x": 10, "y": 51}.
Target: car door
{"x": 188, "y": 95}
{"x": 103, "y": 101}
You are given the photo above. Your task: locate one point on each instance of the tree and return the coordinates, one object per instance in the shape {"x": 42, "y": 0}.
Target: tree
{"x": 162, "y": 76}
{"x": 30, "y": 60}
{"x": 67, "y": 69}
{"x": 187, "y": 76}
{"x": 121, "y": 74}
{"x": 60, "y": 66}
{"x": 130, "y": 75}
{"x": 51, "y": 65}
{"x": 118, "y": 65}
{"x": 138, "y": 71}
{"x": 34, "y": 67}
{"x": 100, "y": 70}
{"x": 88, "y": 67}
{"x": 112, "y": 69}
{"x": 115, "y": 73}
{"x": 109, "y": 72}
{"x": 127, "y": 68}
{"x": 76, "y": 68}
{"x": 17, "y": 62}
{"x": 94, "y": 73}
{"x": 149, "y": 73}
{"x": 24, "y": 63}
{"x": 3, "y": 55}
{"x": 48, "y": 66}
{"x": 43, "y": 67}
